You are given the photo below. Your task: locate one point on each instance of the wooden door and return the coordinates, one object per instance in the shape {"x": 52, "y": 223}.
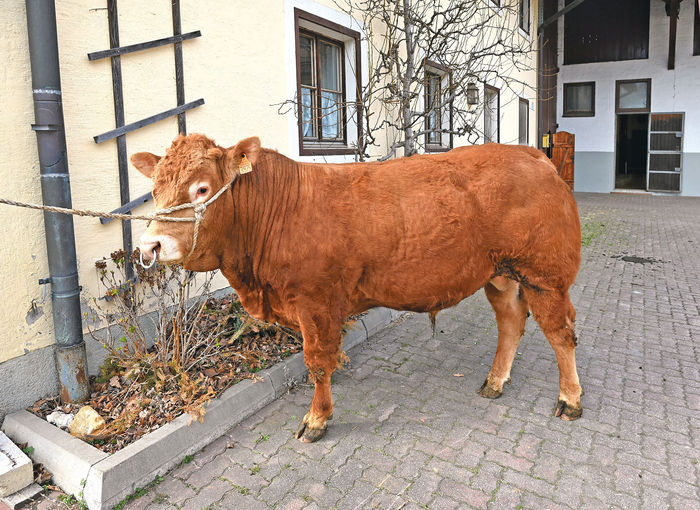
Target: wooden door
{"x": 563, "y": 156}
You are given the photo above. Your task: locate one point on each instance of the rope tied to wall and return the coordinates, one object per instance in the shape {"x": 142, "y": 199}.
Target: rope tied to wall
{"x": 159, "y": 215}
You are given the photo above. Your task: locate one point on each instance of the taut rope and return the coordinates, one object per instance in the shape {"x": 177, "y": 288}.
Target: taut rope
{"x": 199, "y": 210}
{"x": 155, "y": 216}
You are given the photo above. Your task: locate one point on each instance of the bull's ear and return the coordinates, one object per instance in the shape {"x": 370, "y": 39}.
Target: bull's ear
{"x": 145, "y": 162}
{"x": 249, "y": 147}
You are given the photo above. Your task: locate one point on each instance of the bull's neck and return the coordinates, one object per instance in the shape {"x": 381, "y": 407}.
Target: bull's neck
{"x": 263, "y": 200}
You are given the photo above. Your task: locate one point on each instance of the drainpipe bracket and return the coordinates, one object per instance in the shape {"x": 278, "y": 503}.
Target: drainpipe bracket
{"x": 45, "y": 127}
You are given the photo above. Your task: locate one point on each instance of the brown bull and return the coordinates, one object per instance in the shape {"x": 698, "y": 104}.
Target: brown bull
{"x": 307, "y": 245}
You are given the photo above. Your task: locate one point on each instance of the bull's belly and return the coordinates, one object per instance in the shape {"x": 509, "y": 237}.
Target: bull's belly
{"x": 426, "y": 290}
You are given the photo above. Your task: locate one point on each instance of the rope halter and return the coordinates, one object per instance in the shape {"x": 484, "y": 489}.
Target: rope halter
{"x": 198, "y": 209}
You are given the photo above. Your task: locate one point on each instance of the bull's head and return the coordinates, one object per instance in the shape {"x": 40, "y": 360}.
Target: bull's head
{"x": 193, "y": 169}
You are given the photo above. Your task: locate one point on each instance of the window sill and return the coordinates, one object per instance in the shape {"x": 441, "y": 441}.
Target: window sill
{"x": 436, "y": 148}
{"x": 326, "y": 150}
{"x": 584, "y": 114}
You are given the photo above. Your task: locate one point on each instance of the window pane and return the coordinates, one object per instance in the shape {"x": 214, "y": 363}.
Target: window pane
{"x": 330, "y": 115}
{"x": 633, "y": 95}
{"x": 330, "y": 66}
{"x": 490, "y": 115}
{"x": 524, "y": 15}
{"x": 579, "y": 98}
{"x": 433, "y": 94}
{"x": 522, "y": 135}
{"x": 306, "y": 57}
{"x": 308, "y": 122}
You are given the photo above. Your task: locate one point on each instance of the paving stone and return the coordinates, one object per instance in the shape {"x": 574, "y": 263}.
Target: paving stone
{"x": 443, "y": 503}
{"x": 463, "y": 494}
{"x": 243, "y": 477}
{"x": 506, "y": 497}
{"x": 175, "y": 489}
{"x": 208, "y": 496}
{"x": 323, "y": 495}
{"x": 280, "y": 486}
{"x": 204, "y": 474}
{"x": 534, "y": 502}
{"x": 487, "y": 477}
{"x": 358, "y": 496}
{"x": 423, "y": 487}
{"x": 508, "y": 460}
{"x": 528, "y": 483}
{"x": 234, "y": 500}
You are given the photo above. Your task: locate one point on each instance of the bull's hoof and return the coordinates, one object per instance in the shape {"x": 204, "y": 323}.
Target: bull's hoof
{"x": 487, "y": 391}
{"x": 308, "y": 435}
{"x": 567, "y": 412}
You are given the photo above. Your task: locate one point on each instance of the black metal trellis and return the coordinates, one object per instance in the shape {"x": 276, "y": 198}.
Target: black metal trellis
{"x": 121, "y": 128}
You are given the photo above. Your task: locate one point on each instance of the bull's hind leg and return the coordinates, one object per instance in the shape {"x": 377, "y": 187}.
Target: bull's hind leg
{"x": 322, "y": 341}
{"x": 511, "y": 309}
{"x": 555, "y": 314}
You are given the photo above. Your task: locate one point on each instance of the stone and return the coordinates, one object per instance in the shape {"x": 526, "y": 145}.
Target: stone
{"x": 60, "y": 419}
{"x": 86, "y": 422}
{"x": 20, "y": 498}
{"x": 15, "y": 467}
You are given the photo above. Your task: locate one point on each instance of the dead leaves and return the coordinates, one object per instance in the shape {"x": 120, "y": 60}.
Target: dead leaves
{"x": 140, "y": 396}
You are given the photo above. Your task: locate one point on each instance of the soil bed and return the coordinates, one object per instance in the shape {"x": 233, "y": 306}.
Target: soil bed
{"x": 140, "y": 396}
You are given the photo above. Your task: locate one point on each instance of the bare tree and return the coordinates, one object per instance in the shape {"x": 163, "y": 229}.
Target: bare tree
{"x": 423, "y": 57}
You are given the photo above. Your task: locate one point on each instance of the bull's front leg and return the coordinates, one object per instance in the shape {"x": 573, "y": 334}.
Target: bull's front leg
{"x": 322, "y": 340}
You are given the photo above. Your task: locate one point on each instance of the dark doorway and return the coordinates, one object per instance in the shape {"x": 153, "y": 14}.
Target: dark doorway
{"x": 631, "y": 148}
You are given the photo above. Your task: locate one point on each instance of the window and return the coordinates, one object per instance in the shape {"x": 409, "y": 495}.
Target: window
{"x": 438, "y": 111}
{"x": 632, "y": 96}
{"x": 579, "y": 99}
{"x": 492, "y": 114}
{"x": 320, "y": 77}
{"x": 524, "y": 122}
{"x": 433, "y": 98}
{"x": 324, "y": 50}
{"x": 696, "y": 31}
{"x": 524, "y": 15}
{"x": 606, "y": 31}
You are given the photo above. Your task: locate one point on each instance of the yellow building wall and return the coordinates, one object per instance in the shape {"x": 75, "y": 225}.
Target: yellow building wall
{"x": 237, "y": 66}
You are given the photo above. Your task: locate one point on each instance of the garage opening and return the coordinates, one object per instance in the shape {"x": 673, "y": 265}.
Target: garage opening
{"x": 631, "y": 150}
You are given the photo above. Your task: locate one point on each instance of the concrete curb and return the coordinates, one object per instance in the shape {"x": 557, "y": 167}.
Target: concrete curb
{"x": 106, "y": 479}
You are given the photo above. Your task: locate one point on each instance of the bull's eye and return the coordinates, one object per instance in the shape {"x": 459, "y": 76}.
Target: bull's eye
{"x": 202, "y": 191}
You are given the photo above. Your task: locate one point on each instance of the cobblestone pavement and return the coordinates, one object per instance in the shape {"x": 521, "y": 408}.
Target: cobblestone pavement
{"x": 411, "y": 432}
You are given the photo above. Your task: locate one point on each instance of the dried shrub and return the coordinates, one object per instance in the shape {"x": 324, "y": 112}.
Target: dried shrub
{"x": 196, "y": 346}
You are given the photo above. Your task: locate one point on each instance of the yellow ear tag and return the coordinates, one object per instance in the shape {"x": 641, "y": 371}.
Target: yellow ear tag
{"x": 245, "y": 166}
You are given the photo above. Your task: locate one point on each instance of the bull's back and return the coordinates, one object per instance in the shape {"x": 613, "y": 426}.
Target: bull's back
{"x": 431, "y": 230}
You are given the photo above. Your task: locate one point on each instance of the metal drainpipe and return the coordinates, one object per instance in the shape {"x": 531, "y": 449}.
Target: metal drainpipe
{"x": 71, "y": 362}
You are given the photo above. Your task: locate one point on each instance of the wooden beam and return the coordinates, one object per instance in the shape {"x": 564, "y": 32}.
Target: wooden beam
{"x": 122, "y": 161}
{"x": 123, "y": 50}
{"x": 124, "y": 129}
{"x": 559, "y": 14}
{"x": 179, "y": 68}
{"x": 672, "y": 33}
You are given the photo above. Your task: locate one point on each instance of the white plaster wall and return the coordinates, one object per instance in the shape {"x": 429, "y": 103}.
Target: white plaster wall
{"x": 671, "y": 91}
{"x": 521, "y": 82}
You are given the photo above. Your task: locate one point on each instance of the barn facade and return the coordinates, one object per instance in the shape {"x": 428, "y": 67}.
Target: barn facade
{"x": 622, "y": 77}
